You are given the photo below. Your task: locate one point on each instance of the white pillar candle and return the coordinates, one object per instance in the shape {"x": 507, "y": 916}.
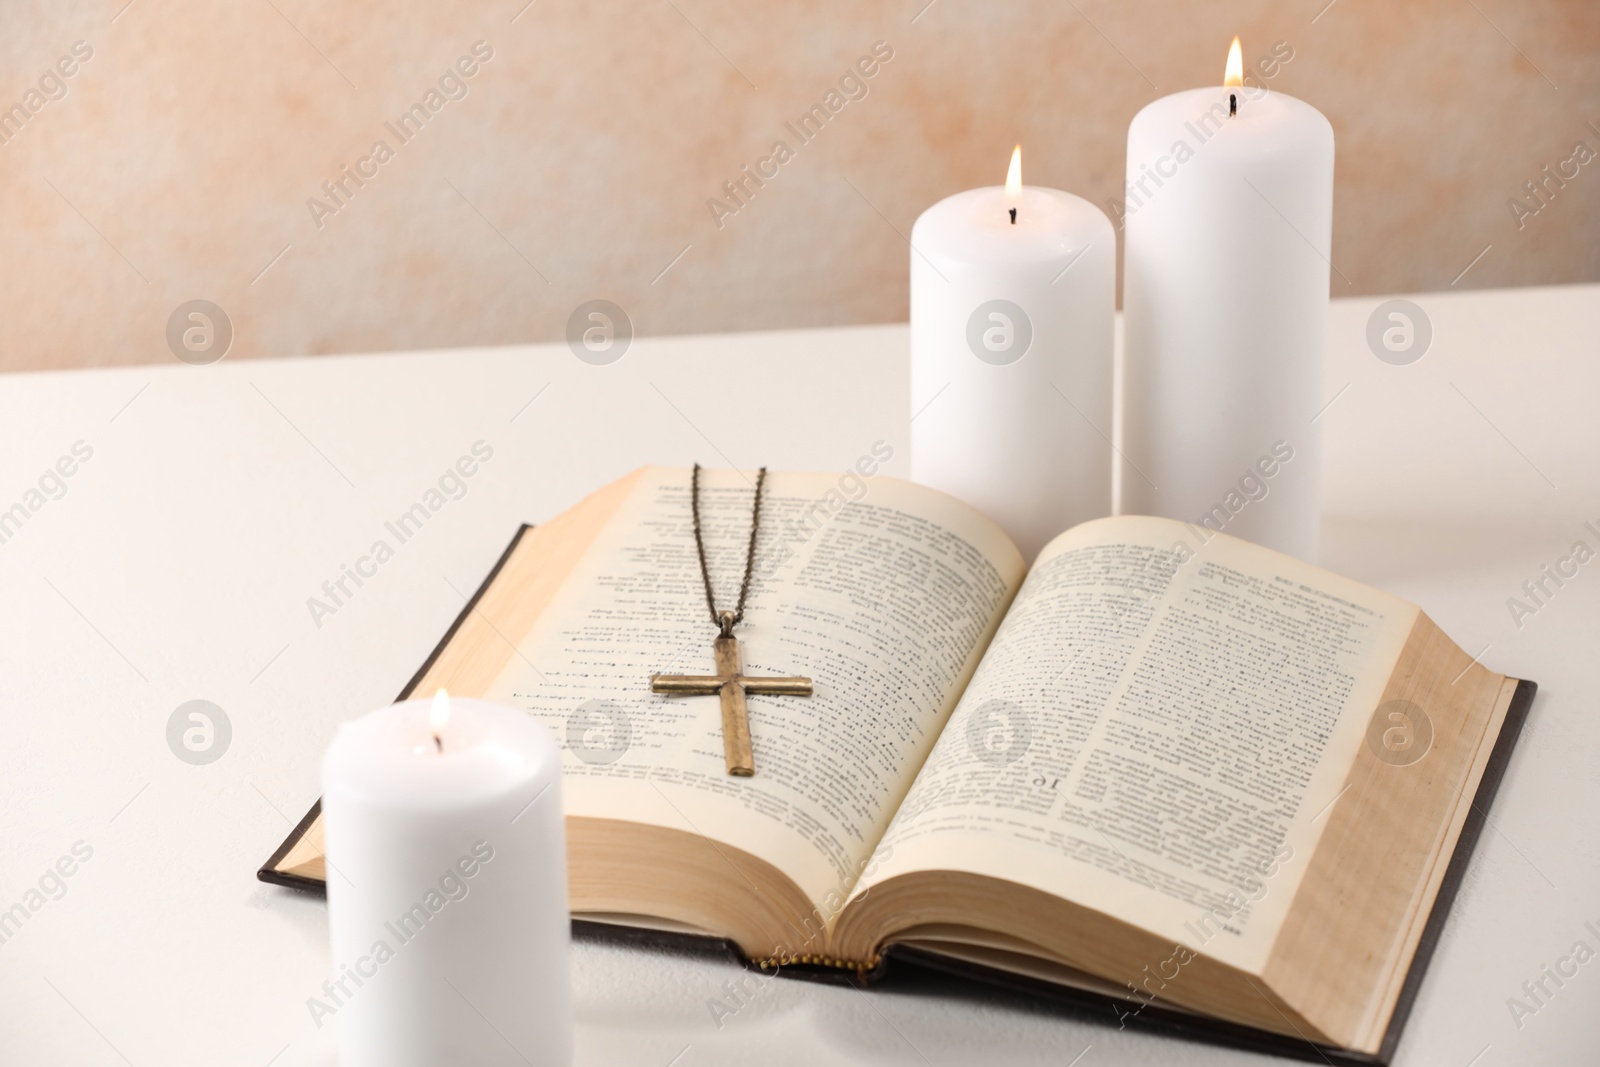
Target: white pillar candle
{"x": 1225, "y": 298}
{"x": 1013, "y": 294}
{"x": 447, "y": 890}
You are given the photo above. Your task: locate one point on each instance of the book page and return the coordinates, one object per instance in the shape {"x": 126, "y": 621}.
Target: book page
{"x": 883, "y": 593}
{"x": 1156, "y": 732}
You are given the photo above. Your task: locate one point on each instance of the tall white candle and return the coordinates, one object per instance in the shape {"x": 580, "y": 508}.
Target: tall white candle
{"x": 1011, "y": 355}
{"x": 1225, "y": 298}
{"x": 447, "y": 891}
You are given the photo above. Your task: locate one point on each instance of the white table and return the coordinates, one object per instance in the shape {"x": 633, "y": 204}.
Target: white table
{"x": 218, "y": 499}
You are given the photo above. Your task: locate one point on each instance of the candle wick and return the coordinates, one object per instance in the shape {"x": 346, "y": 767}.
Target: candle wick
{"x": 1233, "y": 104}
{"x": 1013, "y": 216}
{"x": 438, "y": 744}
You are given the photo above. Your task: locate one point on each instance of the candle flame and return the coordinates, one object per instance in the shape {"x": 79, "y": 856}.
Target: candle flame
{"x": 439, "y": 715}
{"x": 1014, "y": 176}
{"x": 1234, "y": 75}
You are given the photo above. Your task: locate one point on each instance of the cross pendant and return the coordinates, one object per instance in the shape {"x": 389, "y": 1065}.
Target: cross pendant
{"x": 731, "y": 684}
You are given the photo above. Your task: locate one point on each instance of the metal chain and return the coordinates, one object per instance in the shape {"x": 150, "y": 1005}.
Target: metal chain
{"x": 725, "y": 621}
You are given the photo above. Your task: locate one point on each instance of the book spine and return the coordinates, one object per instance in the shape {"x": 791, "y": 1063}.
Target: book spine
{"x": 859, "y": 966}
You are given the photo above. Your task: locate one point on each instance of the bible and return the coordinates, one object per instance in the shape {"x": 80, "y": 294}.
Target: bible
{"x": 1162, "y": 772}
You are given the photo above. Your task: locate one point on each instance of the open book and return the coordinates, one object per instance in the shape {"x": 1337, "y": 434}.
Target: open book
{"x": 1162, "y": 767}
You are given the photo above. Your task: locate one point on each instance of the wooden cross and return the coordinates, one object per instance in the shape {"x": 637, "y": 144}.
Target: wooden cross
{"x": 731, "y": 683}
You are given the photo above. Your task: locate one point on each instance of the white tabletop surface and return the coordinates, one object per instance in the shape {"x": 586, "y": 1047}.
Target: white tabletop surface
{"x": 218, "y": 499}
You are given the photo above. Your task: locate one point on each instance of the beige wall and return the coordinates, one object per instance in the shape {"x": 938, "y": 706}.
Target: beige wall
{"x": 180, "y": 160}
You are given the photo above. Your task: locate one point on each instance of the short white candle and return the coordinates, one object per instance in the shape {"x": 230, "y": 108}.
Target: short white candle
{"x": 1225, "y": 301}
{"x": 1011, "y": 356}
{"x": 447, "y": 892}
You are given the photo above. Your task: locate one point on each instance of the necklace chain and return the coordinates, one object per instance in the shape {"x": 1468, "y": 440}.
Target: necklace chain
{"x": 725, "y": 621}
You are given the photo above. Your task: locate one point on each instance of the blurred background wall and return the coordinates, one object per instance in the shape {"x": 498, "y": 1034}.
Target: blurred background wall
{"x": 186, "y": 154}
